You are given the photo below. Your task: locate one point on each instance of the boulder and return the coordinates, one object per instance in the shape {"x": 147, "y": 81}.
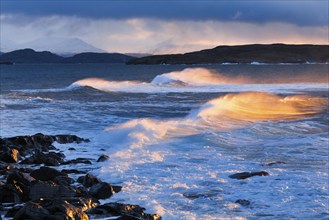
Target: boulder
{"x": 243, "y": 202}
{"x": 50, "y": 209}
{"x": 46, "y": 173}
{"x": 65, "y": 139}
{"x": 50, "y": 190}
{"x": 78, "y": 160}
{"x": 49, "y": 159}
{"x": 103, "y": 158}
{"x": 124, "y": 210}
{"x": 32, "y": 210}
{"x": 9, "y": 155}
{"x": 74, "y": 171}
{"x": 245, "y": 175}
{"x": 21, "y": 182}
{"x": 88, "y": 180}
{"x": 101, "y": 190}
{"x": 9, "y": 194}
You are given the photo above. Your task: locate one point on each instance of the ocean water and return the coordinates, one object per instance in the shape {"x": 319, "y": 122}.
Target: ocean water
{"x": 174, "y": 133}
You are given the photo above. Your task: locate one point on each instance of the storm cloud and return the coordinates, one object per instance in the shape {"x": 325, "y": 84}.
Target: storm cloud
{"x": 299, "y": 12}
{"x": 165, "y": 26}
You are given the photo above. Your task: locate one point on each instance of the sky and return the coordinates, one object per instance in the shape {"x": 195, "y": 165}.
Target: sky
{"x": 171, "y": 26}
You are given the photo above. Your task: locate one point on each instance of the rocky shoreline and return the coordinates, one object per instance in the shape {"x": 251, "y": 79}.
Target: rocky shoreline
{"x": 32, "y": 185}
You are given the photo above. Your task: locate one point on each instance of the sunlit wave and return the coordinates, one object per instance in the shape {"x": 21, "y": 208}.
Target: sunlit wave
{"x": 261, "y": 106}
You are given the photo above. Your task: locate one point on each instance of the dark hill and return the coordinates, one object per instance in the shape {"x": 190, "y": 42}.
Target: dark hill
{"x": 98, "y": 58}
{"x": 273, "y": 53}
{"x": 31, "y": 56}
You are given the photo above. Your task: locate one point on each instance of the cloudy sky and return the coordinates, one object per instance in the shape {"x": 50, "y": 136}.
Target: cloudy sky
{"x": 171, "y": 26}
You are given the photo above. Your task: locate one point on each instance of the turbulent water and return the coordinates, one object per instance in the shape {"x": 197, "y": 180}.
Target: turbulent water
{"x": 175, "y": 133}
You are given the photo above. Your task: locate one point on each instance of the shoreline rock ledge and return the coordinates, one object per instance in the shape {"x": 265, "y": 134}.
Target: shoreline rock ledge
{"x": 31, "y": 188}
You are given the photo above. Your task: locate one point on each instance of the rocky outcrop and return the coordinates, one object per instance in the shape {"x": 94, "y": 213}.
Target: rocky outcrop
{"x": 126, "y": 211}
{"x": 46, "y": 192}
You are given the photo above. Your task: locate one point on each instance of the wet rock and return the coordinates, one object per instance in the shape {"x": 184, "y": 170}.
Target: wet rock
{"x": 117, "y": 188}
{"x": 123, "y": 210}
{"x": 103, "y": 158}
{"x": 88, "y": 180}
{"x": 16, "y": 176}
{"x": 245, "y": 175}
{"x": 78, "y": 160}
{"x": 69, "y": 171}
{"x": 83, "y": 203}
{"x": 21, "y": 182}
{"x": 65, "y": 139}
{"x": 50, "y": 190}
{"x": 13, "y": 210}
{"x": 50, "y": 209}
{"x": 63, "y": 180}
{"x": 275, "y": 163}
{"x": 243, "y": 202}
{"x": 72, "y": 148}
{"x": 9, "y": 155}
{"x": 101, "y": 190}
{"x": 49, "y": 159}
{"x": 9, "y": 194}
{"x": 32, "y": 210}
{"x": 51, "y": 162}
{"x": 46, "y": 173}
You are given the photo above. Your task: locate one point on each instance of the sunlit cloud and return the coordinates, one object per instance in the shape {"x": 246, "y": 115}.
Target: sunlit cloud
{"x": 149, "y": 35}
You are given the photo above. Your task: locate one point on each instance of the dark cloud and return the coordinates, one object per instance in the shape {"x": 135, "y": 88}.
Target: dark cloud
{"x": 304, "y": 13}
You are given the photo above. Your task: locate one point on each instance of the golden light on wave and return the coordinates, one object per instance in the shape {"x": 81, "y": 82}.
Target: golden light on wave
{"x": 262, "y": 106}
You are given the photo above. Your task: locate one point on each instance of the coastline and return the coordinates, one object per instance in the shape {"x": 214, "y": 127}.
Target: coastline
{"x": 34, "y": 184}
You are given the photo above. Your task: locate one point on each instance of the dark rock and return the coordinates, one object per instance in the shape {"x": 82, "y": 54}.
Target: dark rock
{"x": 50, "y": 190}
{"x": 50, "y": 209}
{"x": 78, "y": 160}
{"x": 51, "y": 162}
{"x": 123, "y": 210}
{"x": 101, "y": 190}
{"x": 88, "y": 180}
{"x": 46, "y": 173}
{"x": 275, "y": 163}
{"x": 9, "y": 194}
{"x": 63, "y": 180}
{"x": 83, "y": 203}
{"x": 243, "y": 202}
{"x": 69, "y": 171}
{"x": 72, "y": 148}
{"x": 117, "y": 188}
{"x": 103, "y": 158}
{"x": 10, "y": 155}
{"x": 13, "y": 210}
{"x": 246, "y": 175}
{"x": 50, "y": 159}
{"x": 21, "y": 182}
{"x": 16, "y": 176}
{"x": 65, "y": 139}
{"x": 31, "y": 210}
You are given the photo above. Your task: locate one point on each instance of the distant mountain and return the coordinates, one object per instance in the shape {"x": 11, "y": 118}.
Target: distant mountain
{"x": 61, "y": 45}
{"x": 31, "y": 56}
{"x": 273, "y": 53}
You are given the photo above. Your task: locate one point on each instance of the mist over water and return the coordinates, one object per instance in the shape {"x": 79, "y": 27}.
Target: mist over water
{"x": 175, "y": 133}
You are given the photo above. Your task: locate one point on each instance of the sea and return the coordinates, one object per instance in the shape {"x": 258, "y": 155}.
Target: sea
{"x": 175, "y": 133}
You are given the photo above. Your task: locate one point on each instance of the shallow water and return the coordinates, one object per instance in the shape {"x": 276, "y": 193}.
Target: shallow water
{"x": 175, "y": 132}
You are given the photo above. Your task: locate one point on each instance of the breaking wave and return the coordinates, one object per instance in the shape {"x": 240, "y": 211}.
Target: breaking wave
{"x": 226, "y": 112}
{"x": 196, "y": 80}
